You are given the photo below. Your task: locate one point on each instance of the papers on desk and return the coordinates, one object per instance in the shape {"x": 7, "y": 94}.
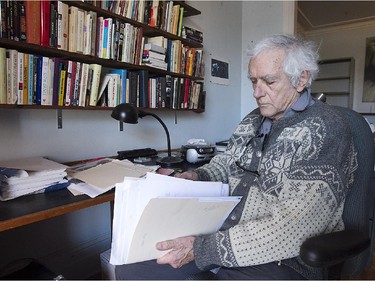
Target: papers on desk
{"x": 158, "y": 207}
{"x": 97, "y": 177}
{"x": 30, "y": 175}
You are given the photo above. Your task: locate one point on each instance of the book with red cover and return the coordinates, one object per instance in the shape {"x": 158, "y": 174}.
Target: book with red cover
{"x": 45, "y": 22}
{"x": 32, "y": 9}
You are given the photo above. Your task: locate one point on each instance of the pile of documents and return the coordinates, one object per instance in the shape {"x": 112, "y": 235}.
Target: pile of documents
{"x": 30, "y": 175}
{"x": 99, "y": 176}
{"x": 158, "y": 207}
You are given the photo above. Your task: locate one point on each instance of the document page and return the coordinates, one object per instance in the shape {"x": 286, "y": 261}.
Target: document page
{"x": 158, "y": 205}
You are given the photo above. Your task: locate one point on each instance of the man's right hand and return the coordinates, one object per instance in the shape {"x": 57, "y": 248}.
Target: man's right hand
{"x": 189, "y": 175}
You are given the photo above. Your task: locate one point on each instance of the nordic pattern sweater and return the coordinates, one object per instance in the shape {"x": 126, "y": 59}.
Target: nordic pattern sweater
{"x": 305, "y": 167}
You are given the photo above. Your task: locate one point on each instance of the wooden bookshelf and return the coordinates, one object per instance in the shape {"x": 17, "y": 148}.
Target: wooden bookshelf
{"x": 147, "y": 30}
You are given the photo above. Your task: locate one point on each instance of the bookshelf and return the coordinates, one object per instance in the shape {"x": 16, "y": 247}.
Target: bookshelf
{"x": 107, "y": 64}
{"x": 335, "y": 80}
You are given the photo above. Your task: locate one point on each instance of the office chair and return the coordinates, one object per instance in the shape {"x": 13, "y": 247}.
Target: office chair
{"x": 345, "y": 253}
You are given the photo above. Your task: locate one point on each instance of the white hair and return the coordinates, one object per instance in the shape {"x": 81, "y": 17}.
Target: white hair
{"x": 300, "y": 55}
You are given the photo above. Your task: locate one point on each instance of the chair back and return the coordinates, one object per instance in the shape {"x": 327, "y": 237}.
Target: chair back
{"x": 356, "y": 213}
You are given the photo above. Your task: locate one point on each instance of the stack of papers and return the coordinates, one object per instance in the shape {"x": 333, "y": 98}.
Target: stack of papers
{"x": 30, "y": 175}
{"x": 158, "y": 208}
{"x": 96, "y": 177}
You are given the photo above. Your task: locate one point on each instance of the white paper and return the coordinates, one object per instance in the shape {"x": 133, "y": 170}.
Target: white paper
{"x": 134, "y": 194}
{"x": 33, "y": 164}
{"x": 105, "y": 176}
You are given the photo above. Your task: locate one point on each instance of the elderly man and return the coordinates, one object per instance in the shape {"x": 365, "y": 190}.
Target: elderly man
{"x": 286, "y": 163}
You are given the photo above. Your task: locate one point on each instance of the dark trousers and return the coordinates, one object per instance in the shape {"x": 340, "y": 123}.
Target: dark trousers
{"x": 150, "y": 270}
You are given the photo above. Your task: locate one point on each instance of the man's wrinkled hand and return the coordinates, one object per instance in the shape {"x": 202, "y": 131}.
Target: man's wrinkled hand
{"x": 181, "y": 251}
{"x": 189, "y": 175}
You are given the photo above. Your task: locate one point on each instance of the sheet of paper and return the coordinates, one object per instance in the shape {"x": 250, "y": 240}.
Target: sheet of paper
{"x": 33, "y": 164}
{"x": 134, "y": 194}
{"x": 107, "y": 175}
{"x": 169, "y": 218}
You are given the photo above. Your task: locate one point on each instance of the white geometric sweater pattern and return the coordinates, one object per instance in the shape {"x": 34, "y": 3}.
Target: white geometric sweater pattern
{"x": 306, "y": 174}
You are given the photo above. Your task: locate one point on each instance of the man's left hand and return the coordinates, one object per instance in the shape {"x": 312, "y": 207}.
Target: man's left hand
{"x": 181, "y": 251}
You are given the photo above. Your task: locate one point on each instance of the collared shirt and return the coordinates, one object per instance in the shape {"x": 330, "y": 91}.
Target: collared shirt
{"x": 305, "y": 100}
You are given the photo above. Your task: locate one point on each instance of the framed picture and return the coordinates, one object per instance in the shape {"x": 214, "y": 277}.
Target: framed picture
{"x": 219, "y": 72}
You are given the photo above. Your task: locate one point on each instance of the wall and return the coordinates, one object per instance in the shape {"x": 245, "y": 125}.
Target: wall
{"x": 260, "y": 19}
{"x": 70, "y": 244}
{"x": 348, "y": 41}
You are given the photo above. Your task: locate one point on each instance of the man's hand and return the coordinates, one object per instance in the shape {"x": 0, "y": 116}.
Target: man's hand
{"x": 181, "y": 251}
{"x": 189, "y": 175}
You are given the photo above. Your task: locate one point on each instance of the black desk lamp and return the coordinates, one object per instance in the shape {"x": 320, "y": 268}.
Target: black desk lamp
{"x": 128, "y": 113}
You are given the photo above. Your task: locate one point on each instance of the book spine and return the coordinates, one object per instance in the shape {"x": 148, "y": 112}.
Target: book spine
{"x": 3, "y": 76}
{"x": 45, "y": 13}
{"x": 20, "y": 79}
{"x": 22, "y": 21}
{"x": 62, "y": 87}
{"x": 33, "y": 18}
{"x": 68, "y": 83}
{"x": 77, "y": 84}
{"x": 30, "y": 89}
{"x": 25, "y": 78}
{"x": 95, "y": 84}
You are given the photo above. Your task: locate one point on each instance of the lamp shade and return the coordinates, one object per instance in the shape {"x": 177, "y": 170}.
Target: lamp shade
{"x": 126, "y": 113}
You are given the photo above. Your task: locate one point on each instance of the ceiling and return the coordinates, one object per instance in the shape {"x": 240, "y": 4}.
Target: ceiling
{"x": 315, "y": 15}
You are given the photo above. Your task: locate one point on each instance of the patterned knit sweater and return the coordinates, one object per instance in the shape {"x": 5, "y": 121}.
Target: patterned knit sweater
{"x": 293, "y": 187}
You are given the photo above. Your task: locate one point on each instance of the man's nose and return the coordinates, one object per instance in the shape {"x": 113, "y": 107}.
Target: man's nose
{"x": 258, "y": 91}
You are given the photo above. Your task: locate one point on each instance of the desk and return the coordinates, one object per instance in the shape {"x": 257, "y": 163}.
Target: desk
{"x": 37, "y": 207}
{"x": 33, "y": 208}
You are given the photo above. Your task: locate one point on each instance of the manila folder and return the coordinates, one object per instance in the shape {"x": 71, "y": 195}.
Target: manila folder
{"x": 169, "y": 218}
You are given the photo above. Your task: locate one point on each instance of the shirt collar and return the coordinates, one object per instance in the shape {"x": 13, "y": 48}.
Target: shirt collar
{"x": 305, "y": 100}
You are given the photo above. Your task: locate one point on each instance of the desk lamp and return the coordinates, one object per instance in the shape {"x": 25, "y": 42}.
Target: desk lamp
{"x": 128, "y": 113}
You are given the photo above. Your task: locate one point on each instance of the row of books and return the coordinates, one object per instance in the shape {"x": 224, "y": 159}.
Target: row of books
{"x": 165, "y": 15}
{"x": 29, "y": 79}
{"x": 76, "y": 30}
{"x": 145, "y": 91}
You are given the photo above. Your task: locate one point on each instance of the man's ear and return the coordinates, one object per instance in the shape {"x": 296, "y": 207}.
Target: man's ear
{"x": 303, "y": 79}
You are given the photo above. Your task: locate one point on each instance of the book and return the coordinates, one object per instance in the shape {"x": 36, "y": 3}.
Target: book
{"x": 45, "y": 20}
{"x": 73, "y": 30}
{"x": 123, "y": 86}
{"x": 158, "y": 205}
{"x": 3, "y": 76}
{"x": 143, "y": 88}
{"x": 155, "y": 48}
{"x": 95, "y": 81}
{"x": 62, "y": 25}
{"x": 20, "y": 69}
{"x": 83, "y": 84}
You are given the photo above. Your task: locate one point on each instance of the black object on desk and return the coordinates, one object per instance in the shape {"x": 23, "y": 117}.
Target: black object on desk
{"x": 135, "y": 153}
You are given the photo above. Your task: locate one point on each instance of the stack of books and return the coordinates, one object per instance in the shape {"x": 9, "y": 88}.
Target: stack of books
{"x": 192, "y": 34}
{"x": 30, "y": 175}
{"x": 154, "y": 56}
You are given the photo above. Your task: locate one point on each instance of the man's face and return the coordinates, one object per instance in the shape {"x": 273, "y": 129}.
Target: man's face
{"x": 272, "y": 89}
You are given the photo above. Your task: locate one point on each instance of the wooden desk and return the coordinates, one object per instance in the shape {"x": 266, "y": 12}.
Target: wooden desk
{"x": 32, "y": 208}
{"x": 37, "y": 207}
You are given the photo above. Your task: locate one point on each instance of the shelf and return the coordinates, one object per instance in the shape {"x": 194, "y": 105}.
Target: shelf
{"x": 89, "y": 108}
{"x": 147, "y": 30}
{"x": 54, "y": 52}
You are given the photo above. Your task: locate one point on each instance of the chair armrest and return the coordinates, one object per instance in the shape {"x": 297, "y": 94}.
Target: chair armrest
{"x": 333, "y": 248}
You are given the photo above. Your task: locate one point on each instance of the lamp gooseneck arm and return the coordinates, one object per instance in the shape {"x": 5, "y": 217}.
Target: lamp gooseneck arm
{"x": 142, "y": 114}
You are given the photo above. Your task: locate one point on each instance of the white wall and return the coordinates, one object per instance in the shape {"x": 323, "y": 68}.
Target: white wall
{"x": 260, "y": 19}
